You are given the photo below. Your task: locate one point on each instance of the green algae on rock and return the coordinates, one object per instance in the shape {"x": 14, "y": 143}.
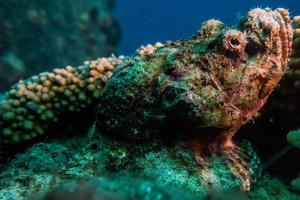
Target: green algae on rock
{"x": 182, "y": 101}
{"x": 96, "y": 155}
{"x": 116, "y": 189}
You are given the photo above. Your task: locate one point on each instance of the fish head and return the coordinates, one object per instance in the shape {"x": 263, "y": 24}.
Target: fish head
{"x": 223, "y": 76}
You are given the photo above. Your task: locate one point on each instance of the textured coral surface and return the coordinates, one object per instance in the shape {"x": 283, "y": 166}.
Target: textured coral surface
{"x": 294, "y": 138}
{"x": 35, "y": 104}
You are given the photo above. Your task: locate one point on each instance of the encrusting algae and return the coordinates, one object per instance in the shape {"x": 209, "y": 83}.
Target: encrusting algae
{"x": 202, "y": 90}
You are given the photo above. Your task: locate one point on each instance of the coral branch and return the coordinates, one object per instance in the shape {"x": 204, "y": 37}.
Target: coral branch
{"x": 33, "y": 105}
{"x": 294, "y": 138}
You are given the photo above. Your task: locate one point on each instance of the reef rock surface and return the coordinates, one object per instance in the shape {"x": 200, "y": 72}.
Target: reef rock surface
{"x": 48, "y": 164}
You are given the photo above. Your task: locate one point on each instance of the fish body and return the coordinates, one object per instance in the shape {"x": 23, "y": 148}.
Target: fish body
{"x": 203, "y": 89}
{"x": 218, "y": 80}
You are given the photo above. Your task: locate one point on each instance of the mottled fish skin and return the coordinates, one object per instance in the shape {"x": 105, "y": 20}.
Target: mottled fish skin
{"x": 239, "y": 164}
{"x": 218, "y": 79}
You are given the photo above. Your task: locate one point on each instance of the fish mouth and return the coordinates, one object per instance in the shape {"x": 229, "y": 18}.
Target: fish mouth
{"x": 270, "y": 31}
{"x": 269, "y": 39}
{"x": 285, "y": 35}
{"x": 280, "y": 47}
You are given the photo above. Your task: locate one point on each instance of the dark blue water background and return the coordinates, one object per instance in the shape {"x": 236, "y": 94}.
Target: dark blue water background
{"x": 149, "y": 21}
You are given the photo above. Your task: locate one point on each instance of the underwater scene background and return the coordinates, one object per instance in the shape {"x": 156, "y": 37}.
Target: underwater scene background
{"x": 114, "y": 99}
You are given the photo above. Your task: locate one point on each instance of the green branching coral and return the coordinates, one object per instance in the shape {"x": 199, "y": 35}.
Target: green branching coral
{"x": 294, "y": 138}
{"x": 34, "y": 104}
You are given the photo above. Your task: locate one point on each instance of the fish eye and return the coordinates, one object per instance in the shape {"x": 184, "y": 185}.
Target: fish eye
{"x": 234, "y": 41}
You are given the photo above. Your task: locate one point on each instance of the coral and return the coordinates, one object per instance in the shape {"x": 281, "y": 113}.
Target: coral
{"x": 149, "y": 49}
{"x": 34, "y": 104}
{"x": 294, "y": 138}
{"x": 269, "y": 188}
{"x": 58, "y": 33}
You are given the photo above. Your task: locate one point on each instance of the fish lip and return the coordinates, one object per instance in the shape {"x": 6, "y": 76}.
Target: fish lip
{"x": 280, "y": 45}
{"x": 286, "y": 33}
{"x": 272, "y": 29}
{"x": 276, "y": 22}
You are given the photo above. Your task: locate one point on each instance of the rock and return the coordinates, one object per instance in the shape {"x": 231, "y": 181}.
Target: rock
{"x": 120, "y": 188}
{"x": 46, "y": 165}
